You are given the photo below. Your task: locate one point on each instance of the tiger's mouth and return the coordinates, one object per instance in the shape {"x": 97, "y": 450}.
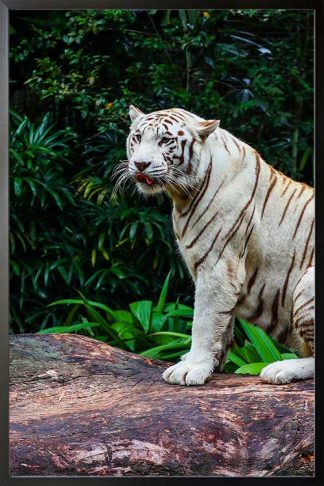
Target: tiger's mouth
{"x": 149, "y": 185}
{"x": 144, "y": 178}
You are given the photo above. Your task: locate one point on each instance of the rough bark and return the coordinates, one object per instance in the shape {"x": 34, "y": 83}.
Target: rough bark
{"x": 80, "y": 407}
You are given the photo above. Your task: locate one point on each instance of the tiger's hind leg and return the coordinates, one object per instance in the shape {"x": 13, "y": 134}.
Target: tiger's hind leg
{"x": 304, "y": 311}
{"x": 303, "y": 321}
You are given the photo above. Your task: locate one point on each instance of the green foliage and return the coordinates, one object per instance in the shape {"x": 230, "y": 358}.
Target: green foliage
{"x": 255, "y": 351}
{"x": 163, "y": 331}
{"x": 40, "y": 245}
{"x": 60, "y": 241}
{"x": 160, "y": 331}
{"x": 253, "y": 69}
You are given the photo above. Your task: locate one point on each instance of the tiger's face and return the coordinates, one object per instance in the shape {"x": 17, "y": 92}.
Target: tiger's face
{"x": 163, "y": 149}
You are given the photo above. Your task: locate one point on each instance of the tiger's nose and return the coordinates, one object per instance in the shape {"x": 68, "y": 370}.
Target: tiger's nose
{"x": 142, "y": 165}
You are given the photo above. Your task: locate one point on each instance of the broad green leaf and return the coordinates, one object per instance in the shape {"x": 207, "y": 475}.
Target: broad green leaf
{"x": 122, "y": 315}
{"x": 249, "y": 353}
{"x": 66, "y": 301}
{"x": 304, "y": 158}
{"x": 177, "y": 306}
{"x": 163, "y": 294}
{"x": 15, "y": 267}
{"x": 289, "y": 355}
{"x": 129, "y": 342}
{"x": 133, "y": 230}
{"x": 149, "y": 230}
{"x": 63, "y": 273}
{"x": 71, "y": 314}
{"x": 181, "y": 313}
{"x": 157, "y": 321}
{"x": 57, "y": 263}
{"x": 18, "y": 185}
{"x": 105, "y": 254}
{"x": 83, "y": 302}
{"x": 95, "y": 276}
{"x": 68, "y": 329}
{"x": 118, "y": 272}
{"x": 172, "y": 334}
{"x": 96, "y": 317}
{"x": 239, "y": 335}
{"x": 127, "y": 333}
{"x": 263, "y": 344}
{"x": 155, "y": 352}
{"x": 160, "y": 339}
{"x": 102, "y": 338}
{"x": 230, "y": 367}
{"x": 231, "y": 356}
{"x": 101, "y": 240}
{"x": 93, "y": 257}
{"x": 251, "y": 369}
{"x": 172, "y": 356}
{"x": 53, "y": 193}
{"x": 238, "y": 350}
{"x": 142, "y": 311}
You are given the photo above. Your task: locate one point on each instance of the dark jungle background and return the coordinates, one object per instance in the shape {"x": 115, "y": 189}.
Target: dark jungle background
{"x": 73, "y": 75}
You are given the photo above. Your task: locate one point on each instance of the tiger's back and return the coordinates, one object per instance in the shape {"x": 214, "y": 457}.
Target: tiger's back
{"x": 274, "y": 232}
{"x": 281, "y": 249}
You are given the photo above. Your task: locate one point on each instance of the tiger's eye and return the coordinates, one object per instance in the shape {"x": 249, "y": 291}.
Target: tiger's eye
{"x": 165, "y": 140}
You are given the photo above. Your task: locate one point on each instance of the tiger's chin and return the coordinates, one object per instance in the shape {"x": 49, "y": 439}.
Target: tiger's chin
{"x": 150, "y": 190}
{"x": 149, "y": 187}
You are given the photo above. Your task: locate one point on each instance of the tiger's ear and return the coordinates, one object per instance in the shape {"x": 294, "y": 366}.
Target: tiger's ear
{"x": 206, "y": 127}
{"x": 134, "y": 113}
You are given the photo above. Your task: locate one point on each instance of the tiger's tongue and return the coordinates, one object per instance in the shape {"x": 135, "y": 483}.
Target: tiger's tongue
{"x": 146, "y": 179}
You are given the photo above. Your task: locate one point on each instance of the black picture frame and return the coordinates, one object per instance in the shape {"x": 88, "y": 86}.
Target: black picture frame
{"x": 5, "y": 7}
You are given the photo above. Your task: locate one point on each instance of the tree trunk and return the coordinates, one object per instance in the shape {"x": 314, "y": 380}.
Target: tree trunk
{"x": 81, "y": 407}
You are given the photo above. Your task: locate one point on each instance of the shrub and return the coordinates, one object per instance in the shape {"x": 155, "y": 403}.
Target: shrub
{"x": 163, "y": 331}
{"x": 253, "y": 69}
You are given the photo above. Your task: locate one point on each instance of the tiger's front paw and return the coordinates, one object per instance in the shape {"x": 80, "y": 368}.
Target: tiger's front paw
{"x": 188, "y": 373}
{"x": 288, "y": 370}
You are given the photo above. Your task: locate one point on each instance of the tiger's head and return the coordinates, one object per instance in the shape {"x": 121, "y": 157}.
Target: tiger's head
{"x": 164, "y": 147}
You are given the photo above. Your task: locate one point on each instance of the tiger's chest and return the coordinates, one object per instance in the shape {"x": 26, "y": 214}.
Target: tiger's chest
{"x": 189, "y": 254}
{"x": 193, "y": 241}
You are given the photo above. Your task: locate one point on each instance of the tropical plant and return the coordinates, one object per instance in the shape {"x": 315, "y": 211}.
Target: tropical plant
{"x": 252, "y": 68}
{"x": 39, "y": 160}
{"x": 160, "y": 330}
{"x": 163, "y": 331}
{"x": 253, "y": 349}
{"x": 61, "y": 239}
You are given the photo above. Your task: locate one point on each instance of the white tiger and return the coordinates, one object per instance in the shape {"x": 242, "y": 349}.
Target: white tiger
{"x": 246, "y": 233}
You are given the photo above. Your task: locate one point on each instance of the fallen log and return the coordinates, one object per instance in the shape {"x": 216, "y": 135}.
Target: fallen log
{"x": 81, "y": 407}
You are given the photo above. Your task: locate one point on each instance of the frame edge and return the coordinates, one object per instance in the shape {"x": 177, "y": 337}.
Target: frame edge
{"x": 4, "y": 231}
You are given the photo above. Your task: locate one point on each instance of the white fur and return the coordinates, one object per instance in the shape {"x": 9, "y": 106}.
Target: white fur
{"x": 187, "y": 373}
{"x": 241, "y": 193}
{"x": 288, "y": 370}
